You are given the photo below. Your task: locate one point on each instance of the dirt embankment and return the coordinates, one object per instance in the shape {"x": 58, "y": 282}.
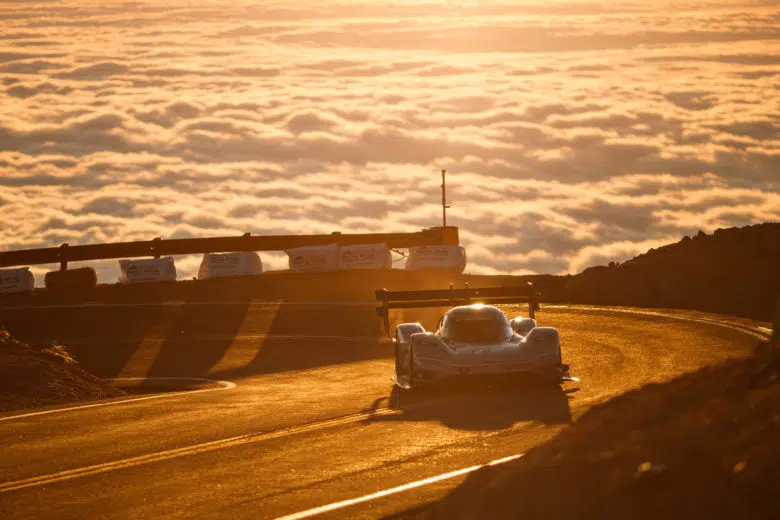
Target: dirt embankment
{"x": 34, "y": 376}
{"x": 733, "y": 271}
{"x": 702, "y": 446}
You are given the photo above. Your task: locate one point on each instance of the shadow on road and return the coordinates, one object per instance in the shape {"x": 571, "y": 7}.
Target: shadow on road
{"x": 308, "y": 336}
{"x": 101, "y": 339}
{"x": 701, "y": 446}
{"x": 212, "y": 330}
{"x": 184, "y": 351}
{"x": 481, "y": 405}
{"x": 190, "y": 339}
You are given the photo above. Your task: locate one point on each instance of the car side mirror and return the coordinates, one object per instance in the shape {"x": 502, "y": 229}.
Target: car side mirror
{"x": 523, "y": 326}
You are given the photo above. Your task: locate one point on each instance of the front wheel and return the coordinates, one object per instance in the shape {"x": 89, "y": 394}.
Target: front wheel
{"x": 404, "y": 371}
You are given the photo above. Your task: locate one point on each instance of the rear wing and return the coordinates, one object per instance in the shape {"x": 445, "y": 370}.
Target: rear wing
{"x": 451, "y": 297}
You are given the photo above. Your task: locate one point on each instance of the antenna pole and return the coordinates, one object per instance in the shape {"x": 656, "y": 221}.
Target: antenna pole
{"x": 444, "y": 205}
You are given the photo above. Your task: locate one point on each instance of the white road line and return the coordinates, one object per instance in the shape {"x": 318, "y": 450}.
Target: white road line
{"x": 224, "y": 385}
{"x": 379, "y": 494}
{"x": 182, "y": 303}
{"x": 223, "y": 337}
{"x": 755, "y": 331}
{"x": 206, "y": 446}
{"x": 189, "y": 450}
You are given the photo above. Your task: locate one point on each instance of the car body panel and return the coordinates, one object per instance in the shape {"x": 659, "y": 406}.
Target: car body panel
{"x": 433, "y": 356}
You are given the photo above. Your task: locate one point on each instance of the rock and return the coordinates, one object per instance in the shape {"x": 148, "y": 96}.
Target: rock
{"x": 648, "y": 468}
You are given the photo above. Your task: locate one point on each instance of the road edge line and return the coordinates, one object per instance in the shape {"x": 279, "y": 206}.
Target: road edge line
{"x": 398, "y": 489}
{"x": 224, "y": 385}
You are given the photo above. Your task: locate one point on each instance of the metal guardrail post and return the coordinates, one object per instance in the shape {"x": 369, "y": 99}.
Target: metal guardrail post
{"x": 63, "y": 256}
{"x": 155, "y": 247}
{"x": 384, "y": 310}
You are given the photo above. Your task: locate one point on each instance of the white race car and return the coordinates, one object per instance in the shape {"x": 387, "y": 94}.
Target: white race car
{"x": 472, "y": 339}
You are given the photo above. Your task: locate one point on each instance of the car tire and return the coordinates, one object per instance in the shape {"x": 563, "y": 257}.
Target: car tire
{"x": 397, "y": 358}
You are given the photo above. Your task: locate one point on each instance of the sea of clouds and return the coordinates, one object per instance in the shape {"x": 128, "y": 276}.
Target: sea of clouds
{"x": 574, "y": 133}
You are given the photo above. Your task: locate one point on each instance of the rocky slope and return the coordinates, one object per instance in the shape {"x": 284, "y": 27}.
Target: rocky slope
{"x": 699, "y": 447}
{"x": 32, "y": 376}
{"x": 733, "y": 271}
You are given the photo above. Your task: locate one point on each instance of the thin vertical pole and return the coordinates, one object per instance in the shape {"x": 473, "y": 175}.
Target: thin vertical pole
{"x": 385, "y": 310}
{"x": 533, "y": 301}
{"x": 444, "y": 198}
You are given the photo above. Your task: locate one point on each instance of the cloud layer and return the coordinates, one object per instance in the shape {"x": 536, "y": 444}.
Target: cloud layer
{"x": 574, "y": 133}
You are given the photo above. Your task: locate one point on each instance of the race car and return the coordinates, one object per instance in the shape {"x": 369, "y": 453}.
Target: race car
{"x": 472, "y": 339}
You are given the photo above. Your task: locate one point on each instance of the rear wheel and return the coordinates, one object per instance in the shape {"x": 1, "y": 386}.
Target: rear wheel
{"x": 552, "y": 375}
{"x": 547, "y": 381}
{"x": 404, "y": 371}
{"x": 397, "y": 357}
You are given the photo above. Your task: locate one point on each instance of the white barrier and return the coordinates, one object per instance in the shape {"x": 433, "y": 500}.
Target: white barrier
{"x": 218, "y": 265}
{"x": 314, "y": 259}
{"x": 365, "y": 256}
{"x": 147, "y": 270}
{"x": 448, "y": 258}
{"x": 16, "y": 280}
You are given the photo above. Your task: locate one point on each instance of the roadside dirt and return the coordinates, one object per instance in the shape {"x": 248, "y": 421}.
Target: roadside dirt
{"x": 704, "y": 445}
{"x": 34, "y": 376}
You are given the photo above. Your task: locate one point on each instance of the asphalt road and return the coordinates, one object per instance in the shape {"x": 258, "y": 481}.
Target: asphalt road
{"x": 313, "y": 418}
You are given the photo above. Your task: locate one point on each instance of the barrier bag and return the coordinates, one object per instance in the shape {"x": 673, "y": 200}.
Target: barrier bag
{"x": 365, "y": 256}
{"x": 448, "y": 258}
{"x": 147, "y": 270}
{"x": 76, "y": 279}
{"x": 217, "y": 265}
{"x": 314, "y": 259}
{"x": 16, "y": 280}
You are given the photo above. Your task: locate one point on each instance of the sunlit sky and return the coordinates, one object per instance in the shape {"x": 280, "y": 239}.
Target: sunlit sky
{"x": 574, "y": 133}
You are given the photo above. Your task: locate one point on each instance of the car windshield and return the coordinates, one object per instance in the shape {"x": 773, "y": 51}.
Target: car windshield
{"x": 477, "y": 331}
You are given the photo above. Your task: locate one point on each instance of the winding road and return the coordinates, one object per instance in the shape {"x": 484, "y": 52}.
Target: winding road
{"x": 294, "y": 415}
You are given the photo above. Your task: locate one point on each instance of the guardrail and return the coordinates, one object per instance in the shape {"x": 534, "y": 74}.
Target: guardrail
{"x": 247, "y": 242}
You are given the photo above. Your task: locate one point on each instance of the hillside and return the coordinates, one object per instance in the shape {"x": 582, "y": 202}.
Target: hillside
{"x": 33, "y": 376}
{"x": 701, "y": 446}
{"x": 733, "y": 271}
